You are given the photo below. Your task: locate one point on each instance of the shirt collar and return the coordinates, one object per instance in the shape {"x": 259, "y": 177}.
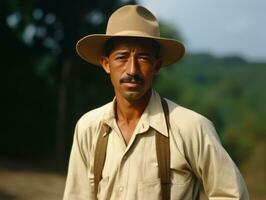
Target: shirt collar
{"x": 108, "y": 119}
{"x": 153, "y": 116}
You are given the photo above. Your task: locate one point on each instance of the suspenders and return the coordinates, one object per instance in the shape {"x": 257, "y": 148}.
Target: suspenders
{"x": 163, "y": 155}
{"x": 162, "y": 150}
{"x": 99, "y": 158}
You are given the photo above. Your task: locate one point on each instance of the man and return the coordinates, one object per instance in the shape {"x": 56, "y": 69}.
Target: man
{"x": 130, "y": 168}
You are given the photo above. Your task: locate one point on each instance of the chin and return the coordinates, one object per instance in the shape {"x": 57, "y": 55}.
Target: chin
{"x": 132, "y": 95}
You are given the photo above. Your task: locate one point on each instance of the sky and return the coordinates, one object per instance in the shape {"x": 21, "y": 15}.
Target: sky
{"x": 220, "y": 27}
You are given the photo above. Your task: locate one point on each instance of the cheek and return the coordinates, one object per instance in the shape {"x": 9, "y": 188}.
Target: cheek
{"x": 149, "y": 74}
{"x": 115, "y": 77}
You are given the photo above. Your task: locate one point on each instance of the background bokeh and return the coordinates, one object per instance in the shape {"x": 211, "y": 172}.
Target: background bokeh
{"x": 46, "y": 87}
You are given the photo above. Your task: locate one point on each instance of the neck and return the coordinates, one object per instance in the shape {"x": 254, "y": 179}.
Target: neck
{"x": 129, "y": 111}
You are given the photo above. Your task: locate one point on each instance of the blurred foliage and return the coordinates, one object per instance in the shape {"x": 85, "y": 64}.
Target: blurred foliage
{"x": 168, "y": 30}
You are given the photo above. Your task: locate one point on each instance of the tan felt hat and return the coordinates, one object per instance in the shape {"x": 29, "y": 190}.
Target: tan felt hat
{"x": 130, "y": 21}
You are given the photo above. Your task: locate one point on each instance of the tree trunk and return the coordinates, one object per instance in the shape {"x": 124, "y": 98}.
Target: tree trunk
{"x": 62, "y": 111}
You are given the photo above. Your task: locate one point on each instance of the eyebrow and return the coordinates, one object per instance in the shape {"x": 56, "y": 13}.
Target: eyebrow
{"x": 125, "y": 52}
{"x": 121, "y": 52}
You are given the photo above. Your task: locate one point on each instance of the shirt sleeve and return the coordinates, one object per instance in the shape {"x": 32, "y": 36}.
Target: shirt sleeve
{"x": 210, "y": 162}
{"x": 78, "y": 184}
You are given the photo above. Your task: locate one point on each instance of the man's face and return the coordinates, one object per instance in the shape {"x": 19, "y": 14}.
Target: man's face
{"x": 132, "y": 64}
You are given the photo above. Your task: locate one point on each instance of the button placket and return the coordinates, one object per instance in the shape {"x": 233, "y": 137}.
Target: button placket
{"x": 122, "y": 177}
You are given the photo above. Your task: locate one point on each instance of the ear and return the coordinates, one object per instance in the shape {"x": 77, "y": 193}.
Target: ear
{"x": 158, "y": 65}
{"x": 104, "y": 61}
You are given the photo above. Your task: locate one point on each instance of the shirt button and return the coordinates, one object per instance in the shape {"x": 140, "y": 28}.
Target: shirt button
{"x": 121, "y": 189}
{"x": 155, "y": 164}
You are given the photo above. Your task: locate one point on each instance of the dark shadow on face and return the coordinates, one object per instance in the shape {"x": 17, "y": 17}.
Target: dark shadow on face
{"x": 111, "y": 42}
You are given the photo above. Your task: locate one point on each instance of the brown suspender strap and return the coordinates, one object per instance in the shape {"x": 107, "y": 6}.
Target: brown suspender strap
{"x": 99, "y": 159}
{"x": 162, "y": 150}
{"x": 163, "y": 155}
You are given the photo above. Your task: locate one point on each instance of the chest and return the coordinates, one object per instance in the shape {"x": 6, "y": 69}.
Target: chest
{"x": 131, "y": 171}
{"x": 137, "y": 161}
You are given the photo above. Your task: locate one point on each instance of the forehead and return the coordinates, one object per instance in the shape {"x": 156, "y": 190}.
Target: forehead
{"x": 140, "y": 44}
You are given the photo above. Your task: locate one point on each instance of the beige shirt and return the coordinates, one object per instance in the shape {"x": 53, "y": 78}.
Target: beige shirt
{"x": 198, "y": 159}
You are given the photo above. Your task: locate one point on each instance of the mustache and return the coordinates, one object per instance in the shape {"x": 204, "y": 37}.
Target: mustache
{"x": 132, "y": 78}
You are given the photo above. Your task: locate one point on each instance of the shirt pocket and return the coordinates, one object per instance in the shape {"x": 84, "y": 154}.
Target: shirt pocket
{"x": 150, "y": 189}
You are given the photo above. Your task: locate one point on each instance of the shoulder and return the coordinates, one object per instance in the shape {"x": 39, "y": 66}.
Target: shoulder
{"x": 185, "y": 116}
{"x": 188, "y": 123}
{"x": 93, "y": 119}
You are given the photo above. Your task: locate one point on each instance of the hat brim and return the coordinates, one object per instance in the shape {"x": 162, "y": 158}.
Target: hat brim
{"x": 90, "y": 48}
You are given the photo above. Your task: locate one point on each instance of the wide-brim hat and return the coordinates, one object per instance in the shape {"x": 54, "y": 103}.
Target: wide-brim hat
{"x": 130, "y": 21}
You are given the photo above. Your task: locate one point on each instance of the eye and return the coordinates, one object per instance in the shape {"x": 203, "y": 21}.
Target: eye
{"x": 121, "y": 58}
{"x": 144, "y": 59}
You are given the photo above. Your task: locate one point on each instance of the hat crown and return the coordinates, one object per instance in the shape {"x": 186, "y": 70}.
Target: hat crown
{"x": 133, "y": 20}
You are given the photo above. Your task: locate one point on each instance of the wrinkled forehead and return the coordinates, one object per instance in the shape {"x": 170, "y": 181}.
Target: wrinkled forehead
{"x": 142, "y": 44}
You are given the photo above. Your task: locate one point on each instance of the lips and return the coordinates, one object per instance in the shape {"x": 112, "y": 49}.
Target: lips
{"x": 133, "y": 82}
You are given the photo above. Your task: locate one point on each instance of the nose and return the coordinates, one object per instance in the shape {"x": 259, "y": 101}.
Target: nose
{"x": 132, "y": 67}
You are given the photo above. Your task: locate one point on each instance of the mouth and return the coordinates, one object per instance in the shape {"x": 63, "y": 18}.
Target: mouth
{"x": 132, "y": 83}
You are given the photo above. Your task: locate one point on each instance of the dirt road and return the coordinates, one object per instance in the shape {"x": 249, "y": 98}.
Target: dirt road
{"x": 23, "y": 184}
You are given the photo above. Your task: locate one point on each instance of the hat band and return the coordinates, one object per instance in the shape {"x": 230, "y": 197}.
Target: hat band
{"x": 134, "y": 33}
